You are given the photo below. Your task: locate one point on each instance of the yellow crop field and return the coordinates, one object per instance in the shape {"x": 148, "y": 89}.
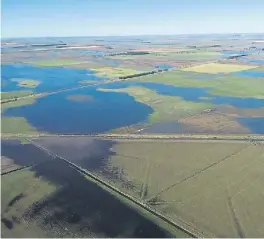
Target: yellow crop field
{"x": 214, "y": 68}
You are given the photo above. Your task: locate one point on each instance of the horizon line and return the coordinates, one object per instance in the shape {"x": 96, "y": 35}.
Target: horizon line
{"x": 133, "y": 35}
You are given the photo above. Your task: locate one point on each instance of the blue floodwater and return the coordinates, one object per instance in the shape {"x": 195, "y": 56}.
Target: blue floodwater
{"x": 192, "y": 94}
{"x": 57, "y": 114}
{"x": 109, "y": 109}
{"x": 163, "y": 66}
{"x": 232, "y": 53}
{"x": 51, "y": 78}
{"x": 255, "y": 61}
{"x": 249, "y": 73}
{"x": 255, "y": 124}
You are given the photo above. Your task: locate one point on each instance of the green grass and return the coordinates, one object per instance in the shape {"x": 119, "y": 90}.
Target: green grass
{"x": 26, "y": 82}
{"x": 56, "y": 62}
{"x": 34, "y": 189}
{"x": 201, "y": 177}
{"x": 166, "y": 108}
{"x": 214, "y": 68}
{"x": 228, "y": 85}
{"x": 190, "y": 56}
{"x": 13, "y": 94}
{"x": 16, "y": 125}
{"x": 115, "y": 71}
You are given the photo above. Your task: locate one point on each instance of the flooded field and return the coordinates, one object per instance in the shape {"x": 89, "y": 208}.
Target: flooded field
{"x": 96, "y": 107}
{"x": 51, "y": 78}
{"x": 68, "y": 116}
{"x": 16, "y": 154}
{"x": 138, "y": 168}
{"x": 205, "y": 175}
{"x": 51, "y": 199}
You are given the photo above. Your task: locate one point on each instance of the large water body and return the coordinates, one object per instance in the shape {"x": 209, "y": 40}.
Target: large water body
{"x": 255, "y": 124}
{"x": 52, "y": 78}
{"x": 192, "y": 94}
{"x": 107, "y": 111}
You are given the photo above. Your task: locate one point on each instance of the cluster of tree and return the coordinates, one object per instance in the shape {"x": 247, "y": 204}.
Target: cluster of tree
{"x": 129, "y": 53}
{"x": 51, "y": 44}
{"x": 141, "y": 74}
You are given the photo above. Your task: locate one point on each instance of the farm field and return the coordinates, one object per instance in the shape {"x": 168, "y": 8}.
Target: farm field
{"x": 50, "y": 196}
{"x": 185, "y": 180}
{"x": 110, "y": 108}
{"x": 208, "y": 184}
{"x": 215, "y": 68}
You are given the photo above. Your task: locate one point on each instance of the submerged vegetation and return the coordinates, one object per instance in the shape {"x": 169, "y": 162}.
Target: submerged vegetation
{"x": 80, "y": 98}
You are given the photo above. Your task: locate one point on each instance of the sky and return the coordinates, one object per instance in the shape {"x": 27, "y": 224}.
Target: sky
{"x": 37, "y": 18}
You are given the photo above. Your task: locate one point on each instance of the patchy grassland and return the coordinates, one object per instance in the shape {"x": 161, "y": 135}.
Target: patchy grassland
{"x": 228, "y": 85}
{"x": 217, "y": 186}
{"x": 56, "y": 62}
{"x": 13, "y": 94}
{"x": 26, "y": 82}
{"x": 214, "y": 68}
{"x": 16, "y": 124}
{"x": 166, "y": 108}
{"x": 115, "y": 72}
{"x": 214, "y": 123}
{"x": 20, "y": 190}
{"x": 46, "y": 202}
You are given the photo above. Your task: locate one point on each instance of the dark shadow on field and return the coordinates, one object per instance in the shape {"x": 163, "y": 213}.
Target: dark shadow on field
{"x": 88, "y": 153}
{"x": 79, "y": 208}
{"x": 21, "y": 154}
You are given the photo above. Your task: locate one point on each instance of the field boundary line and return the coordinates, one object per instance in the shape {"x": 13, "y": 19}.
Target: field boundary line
{"x": 197, "y": 173}
{"x": 185, "y": 137}
{"x": 180, "y": 224}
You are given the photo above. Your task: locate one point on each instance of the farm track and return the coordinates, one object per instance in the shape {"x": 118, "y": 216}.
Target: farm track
{"x": 144, "y": 188}
{"x": 183, "y": 137}
{"x": 184, "y": 226}
{"x": 199, "y": 172}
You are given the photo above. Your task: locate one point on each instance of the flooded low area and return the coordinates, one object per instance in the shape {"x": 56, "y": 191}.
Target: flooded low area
{"x": 15, "y": 154}
{"x": 73, "y": 206}
{"x": 90, "y": 111}
{"x": 255, "y": 124}
{"x": 192, "y": 94}
{"x": 105, "y": 112}
{"x": 250, "y": 73}
{"x": 51, "y": 78}
{"x": 88, "y": 153}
